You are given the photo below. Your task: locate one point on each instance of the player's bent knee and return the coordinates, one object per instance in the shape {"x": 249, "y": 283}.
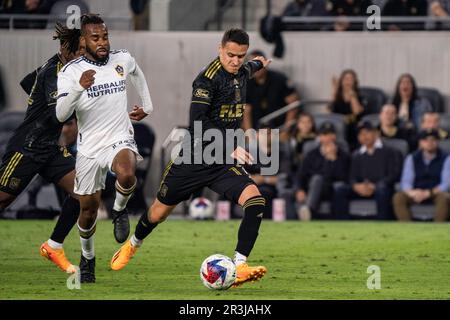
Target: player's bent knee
{"x": 249, "y": 192}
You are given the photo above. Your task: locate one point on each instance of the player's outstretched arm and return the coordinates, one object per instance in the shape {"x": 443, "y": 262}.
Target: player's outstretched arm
{"x": 140, "y": 83}
{"x": 69, "y": 92}
{"x": 256, "y": 64}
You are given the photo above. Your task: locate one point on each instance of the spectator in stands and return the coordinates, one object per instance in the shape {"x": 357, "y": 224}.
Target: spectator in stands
{"x": 425, "y": 179}
{"x": 373, "y": 172}
{"x": 321, "y": 168}
{"x": 439, "y": 9}
{"x": 430, "y": 120}
{"x": 391, "y": 128}
{"x": 405, "y": 8}
{"x": 27, "y": 7}
{"x": 267, "y": 92}
{"x": 409, "y": 106}
{"x": 267, "y": 185}
{"x": 347, "y": 101}
{"x": 348, "y": 8}
{"x": 304, "y": 131}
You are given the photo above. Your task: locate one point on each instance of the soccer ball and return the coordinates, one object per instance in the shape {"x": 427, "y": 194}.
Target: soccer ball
{"x": 218, "y": 272}
{"x": 201, "y": 209}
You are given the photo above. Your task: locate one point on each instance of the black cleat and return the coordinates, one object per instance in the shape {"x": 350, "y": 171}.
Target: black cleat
{"x": 87, "y": 270}
{"x": 121, "y": 225}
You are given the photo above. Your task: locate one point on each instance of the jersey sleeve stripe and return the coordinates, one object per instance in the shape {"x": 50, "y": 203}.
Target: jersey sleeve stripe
{"x": 203, "y": 102}
{"x": 212, "y": 67}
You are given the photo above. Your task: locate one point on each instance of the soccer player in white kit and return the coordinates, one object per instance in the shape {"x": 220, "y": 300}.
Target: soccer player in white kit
{"x": 94, "y": 87}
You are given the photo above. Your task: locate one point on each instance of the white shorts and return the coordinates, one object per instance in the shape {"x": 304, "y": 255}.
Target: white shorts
{"x": 91, "y": 173}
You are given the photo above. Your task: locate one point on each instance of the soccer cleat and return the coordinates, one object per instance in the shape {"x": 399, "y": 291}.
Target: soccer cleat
{"x": 57, "y": 256}
{"x": 245, "y": 273}
{"x": 87, "y": 270}
{"x": 121, "y": 258}
{"x": 121, "y": 225}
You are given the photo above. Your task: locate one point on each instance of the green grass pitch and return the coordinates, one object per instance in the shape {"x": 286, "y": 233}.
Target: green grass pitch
{"x": 315, "y": 260}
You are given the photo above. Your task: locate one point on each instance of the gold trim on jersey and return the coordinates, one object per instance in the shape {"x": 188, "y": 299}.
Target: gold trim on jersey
{"x": 12, "y": 164}
{"x": 166, "y": 171}
{"x": 195, "y": 101}
{"x": 236, "y": 171}
{"x": 213, "y": 68}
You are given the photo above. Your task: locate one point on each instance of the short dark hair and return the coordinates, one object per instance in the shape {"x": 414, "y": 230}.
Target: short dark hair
{"x": 90, "y": 18}
{"x": 68, "y": 38}
{"x": 238, "y": 36}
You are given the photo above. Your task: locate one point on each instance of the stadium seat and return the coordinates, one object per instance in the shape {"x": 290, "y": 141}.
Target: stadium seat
{"x": 445, "y": 145}
{"x": 372, "y": 99}
{"x": 9, "y": 121}
{"x": 433, "y": 96}
{"x": 310, "y": 145}
{"x": 373, "y": 118}
{"x": 445, "y": 122}
{"x": 60, "y": 9}
{"x": 337, "y": 119}
{"x": 397, "y": 144}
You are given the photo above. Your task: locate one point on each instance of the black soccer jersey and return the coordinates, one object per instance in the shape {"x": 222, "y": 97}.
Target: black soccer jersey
{"x": 37, "y": 136}
{"x": 223, "y": 93}
{"x": 219, "y": 97}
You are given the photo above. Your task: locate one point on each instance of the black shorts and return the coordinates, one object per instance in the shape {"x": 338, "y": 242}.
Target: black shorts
{"x": 179, "y": 181}
{"x": 17, "y": 170}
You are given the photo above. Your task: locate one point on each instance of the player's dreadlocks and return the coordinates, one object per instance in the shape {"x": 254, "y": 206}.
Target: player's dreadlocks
{"x": 68, "y": 38}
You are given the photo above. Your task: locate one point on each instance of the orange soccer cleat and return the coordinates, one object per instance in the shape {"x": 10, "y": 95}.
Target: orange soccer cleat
{"x": 121, "y": 258}
{"x": 57, "y": 256}
{"x": 245, "y": 273}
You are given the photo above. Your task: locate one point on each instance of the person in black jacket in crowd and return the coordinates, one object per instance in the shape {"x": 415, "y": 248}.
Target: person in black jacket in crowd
{"x": 321, "y": 168}
{"x": 373, "y": 172}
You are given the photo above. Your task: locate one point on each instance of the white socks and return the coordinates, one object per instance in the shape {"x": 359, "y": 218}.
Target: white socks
{"x": 239, "y": 259}
{"x": 54, "y": 245}
{"x": 135, "y": 242}
{"x": 87, "y": 241}
{"x": 122, "y": 196}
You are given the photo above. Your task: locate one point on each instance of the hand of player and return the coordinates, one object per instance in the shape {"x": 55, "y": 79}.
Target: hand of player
{"x": 242, "y": 156}
{"x": 87, "y": 78}
{"x": 137, "y": 114}
{"x": 264, "y": 61}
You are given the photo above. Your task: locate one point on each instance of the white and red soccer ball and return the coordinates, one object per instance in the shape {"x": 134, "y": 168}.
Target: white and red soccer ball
{"x": 218, "y": 272}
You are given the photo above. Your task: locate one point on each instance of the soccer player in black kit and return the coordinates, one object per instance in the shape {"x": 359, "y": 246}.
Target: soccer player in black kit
{"x": 33, "y": 148}
{"x": 218, "y": 101}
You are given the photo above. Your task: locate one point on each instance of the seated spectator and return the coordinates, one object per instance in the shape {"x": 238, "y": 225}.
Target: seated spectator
{"x": 267, "y": 185}
{"x": 304, "y": 131}
{"x": 430, "y": 120}
{"x": 390, "y": 127}
{"x": 348, "y": 8}
{"x": 404, "y": 8}
{"x": 321, "y": 168}
{"x": 425, "y": 179}
{"x": 267, "y": 92}
{"x": 439, "y": 9}
{"x": 347, "y": 101}
{"x": 373, "y": 172}
{"x": 409, "y": 106}
{"x": 28, "y": 7}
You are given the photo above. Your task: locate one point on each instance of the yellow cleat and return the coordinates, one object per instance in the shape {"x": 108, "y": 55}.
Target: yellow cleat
{"x": 57, "y": 256}
{"x": 244, "y": 274}
{"x": 121, "y": 258}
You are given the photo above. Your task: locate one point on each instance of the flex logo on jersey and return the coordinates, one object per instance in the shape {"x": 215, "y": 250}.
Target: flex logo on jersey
{"x": 119, "y": 70}
{"x": 230, "y": 112}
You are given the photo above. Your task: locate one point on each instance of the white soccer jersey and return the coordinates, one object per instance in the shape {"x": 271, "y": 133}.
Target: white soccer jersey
{"x": 101, "y": 110}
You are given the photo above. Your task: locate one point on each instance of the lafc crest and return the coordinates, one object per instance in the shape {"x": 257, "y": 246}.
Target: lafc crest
{"x": 119, "y": 70}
